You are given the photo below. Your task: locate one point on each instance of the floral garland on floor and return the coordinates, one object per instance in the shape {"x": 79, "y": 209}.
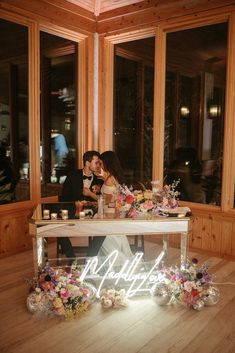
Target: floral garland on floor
{"x": 59, "y": 291}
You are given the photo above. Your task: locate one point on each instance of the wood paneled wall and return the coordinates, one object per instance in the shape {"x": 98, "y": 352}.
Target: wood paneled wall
{"x": 212, "y": 233}
{"x": 14, "y": 232}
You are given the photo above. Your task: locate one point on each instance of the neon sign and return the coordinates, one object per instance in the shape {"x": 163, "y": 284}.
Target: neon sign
{"x": 135, "y": 282}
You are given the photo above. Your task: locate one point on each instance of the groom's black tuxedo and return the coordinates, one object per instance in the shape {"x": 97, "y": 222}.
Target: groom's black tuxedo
{"x": 73, "y": 186}
{"x": 73, "y": 191}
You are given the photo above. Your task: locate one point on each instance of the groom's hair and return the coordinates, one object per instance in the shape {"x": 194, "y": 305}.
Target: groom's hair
{"x": 88, "y": 156}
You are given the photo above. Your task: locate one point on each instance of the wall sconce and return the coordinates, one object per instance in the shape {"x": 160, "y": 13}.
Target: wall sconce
{"x": 184, "y": 111}
{"x": 214, "y": 111}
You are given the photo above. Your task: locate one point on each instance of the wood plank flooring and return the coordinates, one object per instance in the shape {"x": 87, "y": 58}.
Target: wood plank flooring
{"x": 143, "y": 327}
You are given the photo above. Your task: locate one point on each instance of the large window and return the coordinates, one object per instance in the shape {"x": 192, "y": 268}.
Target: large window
{"x": 133, "y": 107}
{"x": 194, "y": 111}
{"x": 58, "y": 110}
{"x": 14, "y": 140}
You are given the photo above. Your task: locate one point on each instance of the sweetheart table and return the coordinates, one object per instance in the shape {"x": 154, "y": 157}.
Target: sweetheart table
{"x": 42, "y": 229}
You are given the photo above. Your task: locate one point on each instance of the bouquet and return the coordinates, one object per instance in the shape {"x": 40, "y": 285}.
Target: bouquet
{"x": 59, "y": 291}
{"x": 124, "y": 199}
{"x": 111, "y": 298}
{"x": 142, "y": 202}
{"x": 191, "y": 285}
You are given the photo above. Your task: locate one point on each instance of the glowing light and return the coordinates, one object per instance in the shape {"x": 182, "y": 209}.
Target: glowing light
{"x": 137, "y": 282}
{"x": 184, "y": 111}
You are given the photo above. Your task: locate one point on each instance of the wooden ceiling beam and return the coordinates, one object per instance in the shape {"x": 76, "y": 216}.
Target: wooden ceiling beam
{"x": 120, "y": 19}
{"x": 46, "y": 11}
{"x": 72, "y": 7}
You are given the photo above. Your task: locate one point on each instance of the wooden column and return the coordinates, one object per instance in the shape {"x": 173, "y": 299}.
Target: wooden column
{"x": 45, "y": 118}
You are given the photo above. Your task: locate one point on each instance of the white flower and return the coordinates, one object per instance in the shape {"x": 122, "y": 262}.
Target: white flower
{"x": 188, "y": 286}
{"x": 111, "y": 292}
{"x": 106, "y": 303}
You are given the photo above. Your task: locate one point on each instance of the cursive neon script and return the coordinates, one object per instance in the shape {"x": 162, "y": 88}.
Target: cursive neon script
{"x": 136, "y": 282}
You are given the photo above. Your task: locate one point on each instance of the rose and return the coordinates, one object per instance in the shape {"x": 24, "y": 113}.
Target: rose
{"x": 106, "y": 303}
{"x": 64, "y": 295}
{"x": 130, "y": 199}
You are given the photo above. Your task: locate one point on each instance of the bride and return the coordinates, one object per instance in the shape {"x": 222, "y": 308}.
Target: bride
{"x": 113, "y": 176}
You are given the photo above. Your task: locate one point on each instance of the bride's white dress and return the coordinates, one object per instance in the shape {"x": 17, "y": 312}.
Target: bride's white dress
{"x": 115, "y": 242}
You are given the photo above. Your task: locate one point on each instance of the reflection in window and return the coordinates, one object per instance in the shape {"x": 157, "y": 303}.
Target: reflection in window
{"x": 58, "y": 111}
{"x": 133, "y": 107}
{"x": 14, "y": 151}
{"x": 194, "y": 111}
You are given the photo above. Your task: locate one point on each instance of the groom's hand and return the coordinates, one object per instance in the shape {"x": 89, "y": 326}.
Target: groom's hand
{"x": 86, "y": 192}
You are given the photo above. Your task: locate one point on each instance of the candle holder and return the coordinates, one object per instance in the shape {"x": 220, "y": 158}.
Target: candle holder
{"x": 64, "y": 214}
{"x": 46, "y": 214}
{"x": 82, "y": 215}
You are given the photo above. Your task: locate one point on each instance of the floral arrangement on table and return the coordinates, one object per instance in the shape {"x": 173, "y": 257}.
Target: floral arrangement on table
{"x": 190, "y": 286}
{"x": 137, "y": 202}
{"x": 59, "y": 291}
{"x": 111, "y": 298}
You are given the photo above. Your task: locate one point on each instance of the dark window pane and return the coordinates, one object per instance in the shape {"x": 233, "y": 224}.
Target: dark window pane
{"x": 133, "y": 107}
{"x": 58, "y": 111}
{"x": 14, "y": 166}
{"x": 194, "y": 111}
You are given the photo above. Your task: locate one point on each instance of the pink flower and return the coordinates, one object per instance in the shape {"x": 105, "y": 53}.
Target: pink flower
{"x": 174, "y": 203}
{"x": 166, "y": 188}
{"x": 118, "y": 203}
{"x": 64, "y": 294}
{"x": 133, "y": 213}
{"x": 148, "y": 205}
{"x": 121, "y": 197}
{"x": 164, "y": 201}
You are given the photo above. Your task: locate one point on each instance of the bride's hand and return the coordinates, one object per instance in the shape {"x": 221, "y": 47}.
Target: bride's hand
{"x": 103, "y": 175}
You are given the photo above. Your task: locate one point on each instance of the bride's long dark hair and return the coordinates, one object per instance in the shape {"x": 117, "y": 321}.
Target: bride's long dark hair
{"x": 112, "y": 165}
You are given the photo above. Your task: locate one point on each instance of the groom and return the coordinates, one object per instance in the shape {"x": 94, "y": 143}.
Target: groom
{"x": 83, "y": 185}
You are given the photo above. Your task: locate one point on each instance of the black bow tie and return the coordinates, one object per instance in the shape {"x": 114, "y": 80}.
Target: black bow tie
{"x": 87, "y": 177}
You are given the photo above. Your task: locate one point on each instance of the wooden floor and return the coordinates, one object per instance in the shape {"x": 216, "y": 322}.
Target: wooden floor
{"x": 143, "y": 327}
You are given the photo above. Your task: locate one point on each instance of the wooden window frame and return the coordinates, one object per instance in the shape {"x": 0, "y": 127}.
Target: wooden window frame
{"x": 160, "y": 32}
{"x": 84, "y": 80}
